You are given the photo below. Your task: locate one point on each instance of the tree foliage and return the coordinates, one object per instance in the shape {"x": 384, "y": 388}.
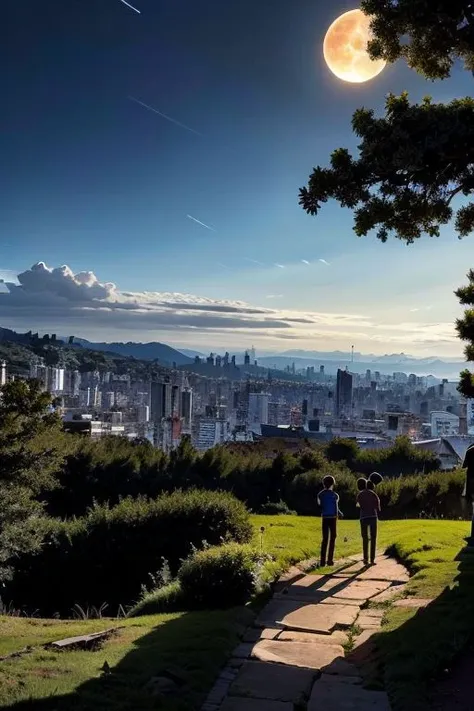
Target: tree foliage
{"x": 465, "y": 329}
{"x": 417, "y": 158}
{"x": 429, "y": 34}
{"x": 30, "y": 456}
{"x": 411, "y": 164}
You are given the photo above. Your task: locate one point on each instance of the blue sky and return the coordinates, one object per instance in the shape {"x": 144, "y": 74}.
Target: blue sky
{"x": 94, "y": 180}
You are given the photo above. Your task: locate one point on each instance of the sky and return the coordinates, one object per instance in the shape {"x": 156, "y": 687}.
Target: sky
{"x": 151, "y": 161}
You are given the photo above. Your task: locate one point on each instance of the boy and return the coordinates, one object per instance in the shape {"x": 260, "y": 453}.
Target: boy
{"x": 328, "y": 500}
{"x": 369, "y": 504}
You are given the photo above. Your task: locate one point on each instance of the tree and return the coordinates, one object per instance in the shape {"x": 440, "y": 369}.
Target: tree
{"x": 465, "y": 329}
{"x": 414, "y": 161}
{"x": 411, "y": 165}
{"x": 30, "y": 456}
{"x": 430, "y": 34}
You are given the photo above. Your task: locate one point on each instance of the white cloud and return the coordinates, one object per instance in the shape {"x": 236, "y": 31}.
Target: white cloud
{"x": 58, "y": 299}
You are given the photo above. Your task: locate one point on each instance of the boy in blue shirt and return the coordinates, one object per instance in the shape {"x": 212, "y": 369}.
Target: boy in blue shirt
{"x": 328, "y": 500}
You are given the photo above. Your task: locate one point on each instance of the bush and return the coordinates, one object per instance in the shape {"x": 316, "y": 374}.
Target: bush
{"x": 277, "y": 508}
{"x": 168, "y": 598}
{"x": 109, "y": 554}
{"x": 220, "y": 577}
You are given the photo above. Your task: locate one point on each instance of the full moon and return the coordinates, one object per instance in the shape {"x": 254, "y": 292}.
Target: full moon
{"x": 345, "y": 48}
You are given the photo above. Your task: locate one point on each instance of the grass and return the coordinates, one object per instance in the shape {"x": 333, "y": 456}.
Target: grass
{"x": 413, "y": 647}
{"x": 192, "y": 645}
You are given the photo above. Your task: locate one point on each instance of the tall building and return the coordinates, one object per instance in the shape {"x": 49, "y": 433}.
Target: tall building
{"x": 343, "y": 404}
{"x": 187, "y": 408}
{"x": 258, "y": 408}
{"x": 3, "y": 373}
{"x": 160, "y": 401}
{"x": 143, "y": 414}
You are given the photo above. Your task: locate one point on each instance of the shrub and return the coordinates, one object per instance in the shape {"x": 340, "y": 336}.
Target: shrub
{"x": 220, "y": 577}
{"x": 109, "y": 554}
{"x": 277, "y": 508}
{"x": 168, "y": 598}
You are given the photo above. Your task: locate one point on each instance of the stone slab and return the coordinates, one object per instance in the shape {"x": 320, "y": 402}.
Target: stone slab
{"x": 234, "y": 703}
{"x": 274, "y": 682}
{"x": 386, "y": 570}
{"x": 389, "y": 593}
{"x": 243, "y": 651}
{"x": 337, "y": 601}
{"x": 254, "y": 635}
{"x": 363, "y": 638}
{"x": 307, "y": 587}
{"x": 307, "y": 617}
{"x": 298, "y": 654}
{"x": 331, "y": 584}
{"x": 341, "y": 667}
{"x": 414, "y": 603}
{"x": 327, "y": 678}
{"x": 337, "y": 637}
{"x": 362, "y": 589}
{"x": 337, "y": 696}
{"x": 370, "y": 619}
{"x": 351, "y": 570}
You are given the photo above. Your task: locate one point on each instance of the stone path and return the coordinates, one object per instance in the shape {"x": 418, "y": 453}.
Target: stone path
{"x": 293, "y": 657}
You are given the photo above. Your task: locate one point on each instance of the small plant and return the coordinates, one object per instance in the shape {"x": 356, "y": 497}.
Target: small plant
{"x": 219, "y": 577}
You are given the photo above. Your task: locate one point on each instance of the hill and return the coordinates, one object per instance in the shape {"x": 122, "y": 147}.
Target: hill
{"x": 160, "y": 352}
{"x": 20, "y": 350}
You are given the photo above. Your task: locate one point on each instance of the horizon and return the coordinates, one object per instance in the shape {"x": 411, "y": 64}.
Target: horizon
{"x": 169, "y": 167}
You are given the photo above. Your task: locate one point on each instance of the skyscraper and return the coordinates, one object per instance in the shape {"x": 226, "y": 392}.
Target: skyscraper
{"x": 160, "y": 401}
{"x": 343, "y": 394}
{"x": 258, "y": 408}
{"x": 187, "y": 408}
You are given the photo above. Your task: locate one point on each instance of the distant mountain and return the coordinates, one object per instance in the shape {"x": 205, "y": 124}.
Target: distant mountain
{"x": 164, "y": 354}
{"x": 386, "y": 365}
{"x": 190, "y": 353}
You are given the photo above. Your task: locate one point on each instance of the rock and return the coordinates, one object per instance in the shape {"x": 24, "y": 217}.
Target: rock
{"x": 413, "y": 602}
{"x": 342, "y": 679}
{"x": 337, "y": 601}
{"x": 307, "y": 617}
{"x": 389, "y": 593}
{"x": 361, "y": 589}
{"x": 386, "y": 570}
{"x": 339, "y": 696}
{"x": 341, "y": 667}
{"x": 297, "y": 654}
{"x": 254, "y": 635}
{"x": 337, "y": 637}
{"x": 363, "y": 638}
{"x": 273, "y": 682}
{"x": 243, "y": 651}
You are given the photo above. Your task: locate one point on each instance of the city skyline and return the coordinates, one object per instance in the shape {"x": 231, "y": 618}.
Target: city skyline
{"x": 165, "y": 156}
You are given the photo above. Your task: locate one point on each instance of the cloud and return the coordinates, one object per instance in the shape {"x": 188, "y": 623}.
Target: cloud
{"x": 62, "y": 301}
{"x": 280, "y": 266}
{"x": 305, "y": 261}
{"x": 323, "y": 261}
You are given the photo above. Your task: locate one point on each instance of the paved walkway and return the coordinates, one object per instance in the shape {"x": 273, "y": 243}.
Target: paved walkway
{"x": 293, "y": 657}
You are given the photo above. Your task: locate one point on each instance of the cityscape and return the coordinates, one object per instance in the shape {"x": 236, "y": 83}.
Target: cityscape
{"x": 218, "y": 400}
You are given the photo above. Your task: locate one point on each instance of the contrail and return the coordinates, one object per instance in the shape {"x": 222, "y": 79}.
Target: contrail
{"x": 131, "y": 6}
{"x": 254, "y": 261}
{"x": 168, "y": 118}
{"x": 198, "y": 222}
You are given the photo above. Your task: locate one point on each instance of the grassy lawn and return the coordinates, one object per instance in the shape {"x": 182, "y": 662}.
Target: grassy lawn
{"x": 413, "y": 647}
{"x": 192, "y": 645}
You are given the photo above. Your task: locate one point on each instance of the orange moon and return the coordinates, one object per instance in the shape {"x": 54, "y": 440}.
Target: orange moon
{"x": 345, "y": 48}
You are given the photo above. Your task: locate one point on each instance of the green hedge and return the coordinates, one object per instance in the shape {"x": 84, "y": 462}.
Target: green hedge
{"x": 109, "y": 554}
